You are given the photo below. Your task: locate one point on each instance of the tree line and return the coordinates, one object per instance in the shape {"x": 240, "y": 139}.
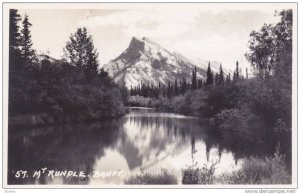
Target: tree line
{"x": 180, "y": 87}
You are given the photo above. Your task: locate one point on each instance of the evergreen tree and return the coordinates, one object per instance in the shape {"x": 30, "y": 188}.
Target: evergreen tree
{"x": 209, "y": 76}
{"x": 200, "y": 84}
{"x": 14, "y": 34}
{"x": 27, "y": 52}
{"x": 14, "y": 61}
{"x": 236, "y": 73}
{"x": 14, "y": 41}
{"x": 184, "y": 86}
{"x": 221, "y": 75}
{"x": 92, "y": 63}
{"x": 176, "y": 87}
{"x": 131, "y": 91}
{"x": 217, "y": 79}
{"x": 159, "y": 90}
{"x": 80, "y": 51}
{"x": 169, "y": 90}
{"x": 228, "y": 79}
{"x": 194, "y": 79}
{"x": 237, "y": 70}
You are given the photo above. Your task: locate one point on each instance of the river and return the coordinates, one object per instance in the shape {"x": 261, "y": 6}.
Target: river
{"x": 144, "y": 140}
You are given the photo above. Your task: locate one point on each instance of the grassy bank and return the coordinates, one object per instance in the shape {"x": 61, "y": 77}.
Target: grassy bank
{"x": 257, "y": 171}
{"x": 269, "y": 170}
{"x": 162, "y": 178}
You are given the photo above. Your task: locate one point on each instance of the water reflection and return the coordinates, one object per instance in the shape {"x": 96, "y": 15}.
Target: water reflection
{"x": 65, "y": 147}
{"x": 143, "y": 140}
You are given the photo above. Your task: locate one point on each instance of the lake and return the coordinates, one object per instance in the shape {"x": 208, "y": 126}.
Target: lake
{"x": 144, "y": 140}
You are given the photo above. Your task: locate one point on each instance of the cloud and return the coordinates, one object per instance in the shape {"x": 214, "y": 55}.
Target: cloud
{"x": 162, "y": 30}
{"x": 154, "y": 23}
{"x": 211, "y": 31}
{"x": 226, "y": 50}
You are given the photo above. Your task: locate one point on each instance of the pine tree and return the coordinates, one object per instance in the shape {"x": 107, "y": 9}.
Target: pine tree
{"x": 228, "y": 79}
{"x": 159, "y": 92}
{"x": 27, "y": 52}
{"x": 209, "y": 76}
{"x": 184, "y": 86}
{"x": 14, "y": 60}
{"x": 217, "y": 79}
{"x": 14, "y": 41}
{"x": 221, "y": 75}
{"x": 236, "y": 73}
{"x": 80, "y": 51}
{"x": 194, "y": 79}
{"x": 131, "y": 91}
{"x": 14, "y": 34}
{"x": 92, "y": 63}
{"x": 237, "y": 70}
{"x": 200, "y": 84}
{"x": 169, "y": 90}
{"x": 176, "y": 87}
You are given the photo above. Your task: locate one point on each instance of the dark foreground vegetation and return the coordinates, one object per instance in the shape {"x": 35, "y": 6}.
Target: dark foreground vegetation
{"x": 44, "y": 90}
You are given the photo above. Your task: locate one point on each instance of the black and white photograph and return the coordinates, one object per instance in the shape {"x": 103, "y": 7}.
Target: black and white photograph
{"x": 150, "y": 95}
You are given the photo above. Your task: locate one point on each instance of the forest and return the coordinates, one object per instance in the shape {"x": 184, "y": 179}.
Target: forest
{"x": 71, "y": 89}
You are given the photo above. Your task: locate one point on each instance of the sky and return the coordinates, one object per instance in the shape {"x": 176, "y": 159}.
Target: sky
{"x": 218, "y": 32}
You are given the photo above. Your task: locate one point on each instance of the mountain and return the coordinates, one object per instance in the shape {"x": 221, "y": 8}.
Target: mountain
{"x": 146, "y": 61}
{"x": 41, "y": 57}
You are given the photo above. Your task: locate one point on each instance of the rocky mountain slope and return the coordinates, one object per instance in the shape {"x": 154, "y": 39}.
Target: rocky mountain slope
{"x": 146, "y": 61}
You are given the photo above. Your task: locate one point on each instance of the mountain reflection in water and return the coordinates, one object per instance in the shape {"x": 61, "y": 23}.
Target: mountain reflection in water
{"x": 142, "y": 141}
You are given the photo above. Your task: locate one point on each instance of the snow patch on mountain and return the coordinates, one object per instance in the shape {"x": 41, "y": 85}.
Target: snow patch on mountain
{"x": 145, "y": 61}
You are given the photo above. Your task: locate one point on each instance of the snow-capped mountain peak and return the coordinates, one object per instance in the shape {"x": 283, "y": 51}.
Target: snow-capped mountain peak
{"x": 146, "y": 61}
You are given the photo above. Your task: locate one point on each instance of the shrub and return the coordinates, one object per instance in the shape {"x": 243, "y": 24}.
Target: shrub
{"x": 164, "y": 177}
{"x": 179, "y": 105}
{"x": 67, "y": 93}
{"x": 195, "y": 175}
{"x": 139, "y": 101}
{"x": 240, "y": 119}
